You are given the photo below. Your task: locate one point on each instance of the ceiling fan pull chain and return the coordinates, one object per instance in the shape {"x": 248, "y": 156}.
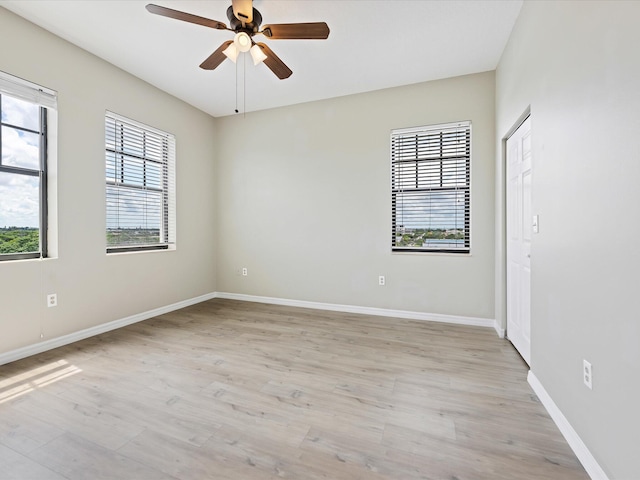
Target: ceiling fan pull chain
{"x": 236, "y": 87}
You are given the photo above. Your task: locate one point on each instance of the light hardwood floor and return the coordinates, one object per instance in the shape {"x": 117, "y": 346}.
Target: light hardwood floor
{"x": 233, "y": 390}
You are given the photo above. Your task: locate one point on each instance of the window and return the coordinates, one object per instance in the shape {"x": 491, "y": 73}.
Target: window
{"x": 140, "y": 163}
{"x": 430, "y": 180}
{"x": 23, "y": 168}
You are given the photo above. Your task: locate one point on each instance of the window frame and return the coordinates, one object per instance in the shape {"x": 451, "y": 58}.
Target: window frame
{"x": 422, "y": 135}
{"x": 21, "y": 90}
{"x": 166, "y": 166}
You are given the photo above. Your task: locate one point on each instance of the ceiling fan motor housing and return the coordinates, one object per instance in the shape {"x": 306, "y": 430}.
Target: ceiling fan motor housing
{"x": 236, "y": 24}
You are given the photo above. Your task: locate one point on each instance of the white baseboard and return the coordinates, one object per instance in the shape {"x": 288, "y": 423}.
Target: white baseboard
{"x": 499, "y": 330}
{"x": 573, "y": 439}
{"x": 40, "y": 347}
{"x": 382, "y": 312}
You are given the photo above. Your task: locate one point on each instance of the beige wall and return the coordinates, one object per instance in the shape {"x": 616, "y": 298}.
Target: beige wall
{"x": 576, "y": 64}
{"x": 93, "y": 288}
{"x": 305, "y": 202}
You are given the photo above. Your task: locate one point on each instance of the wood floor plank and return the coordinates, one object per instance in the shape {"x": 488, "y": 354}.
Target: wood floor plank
{"x": 145, "y": 413}
{"x": 75, "y": 457}
{"x": 84, "y": 419}
{"x": 185, "y": 461}
{"x": 363, "y": 457}
{"x": 237, "y": 390}
{"x": 24, "y": 433}
{"x": 14, "y": 466}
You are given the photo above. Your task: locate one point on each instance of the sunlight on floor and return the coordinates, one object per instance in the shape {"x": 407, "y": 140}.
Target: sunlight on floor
{"x": 39, "y": 377}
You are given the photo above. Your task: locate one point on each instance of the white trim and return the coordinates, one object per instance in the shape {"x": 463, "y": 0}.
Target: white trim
{"x": 498, "y": 328}
{"x": 571, "y": 436}
{"x": 40, "y": 347}
{"x": 382, "y": 312}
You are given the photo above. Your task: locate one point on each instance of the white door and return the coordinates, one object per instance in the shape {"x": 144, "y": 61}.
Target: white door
{"x": 519, "y": 229}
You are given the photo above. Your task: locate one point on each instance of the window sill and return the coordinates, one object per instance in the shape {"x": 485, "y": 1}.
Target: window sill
{"x": 422, "y": 253}
{"x": 134, "y": 250}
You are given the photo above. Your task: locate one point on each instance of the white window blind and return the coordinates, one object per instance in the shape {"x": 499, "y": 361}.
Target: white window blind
{"x": 140, "y": 166}
{"x": 430, "y": 185}
{"x": 27, "y": 91}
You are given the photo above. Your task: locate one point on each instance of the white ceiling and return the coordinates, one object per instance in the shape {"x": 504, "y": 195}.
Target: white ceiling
{"x": 373, "y": 44}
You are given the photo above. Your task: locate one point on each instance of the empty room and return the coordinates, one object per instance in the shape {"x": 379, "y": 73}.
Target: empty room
{"x": 351, "y": 240}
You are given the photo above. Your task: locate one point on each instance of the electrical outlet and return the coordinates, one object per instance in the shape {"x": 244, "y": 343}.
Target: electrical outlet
{"x": 245, "y": 272}
{"x": 381, "y": 280}
{"x": 587, "y": 374}
{"x": 52, "y": 300}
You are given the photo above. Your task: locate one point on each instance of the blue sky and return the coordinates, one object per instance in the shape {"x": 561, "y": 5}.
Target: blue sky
{"x": 19, "y": 195}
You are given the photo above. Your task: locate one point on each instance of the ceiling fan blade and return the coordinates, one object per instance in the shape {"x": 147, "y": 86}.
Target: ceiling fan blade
{"x": 295, "y": 31}
{"x": 185, "y": 17}
{"x": 274, "y": 63}
{"x": 243, "y": 10}
{"x": 216, "y": 58}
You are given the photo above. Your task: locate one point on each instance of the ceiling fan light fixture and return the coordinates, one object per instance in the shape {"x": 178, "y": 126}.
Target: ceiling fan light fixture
{"x": 242, "y": 41}
{"x": 231, "y": 52}
{"x": 257, "y": 54}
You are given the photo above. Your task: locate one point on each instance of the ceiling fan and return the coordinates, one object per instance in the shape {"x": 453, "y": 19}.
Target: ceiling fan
{"x": 245, "y": 21}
